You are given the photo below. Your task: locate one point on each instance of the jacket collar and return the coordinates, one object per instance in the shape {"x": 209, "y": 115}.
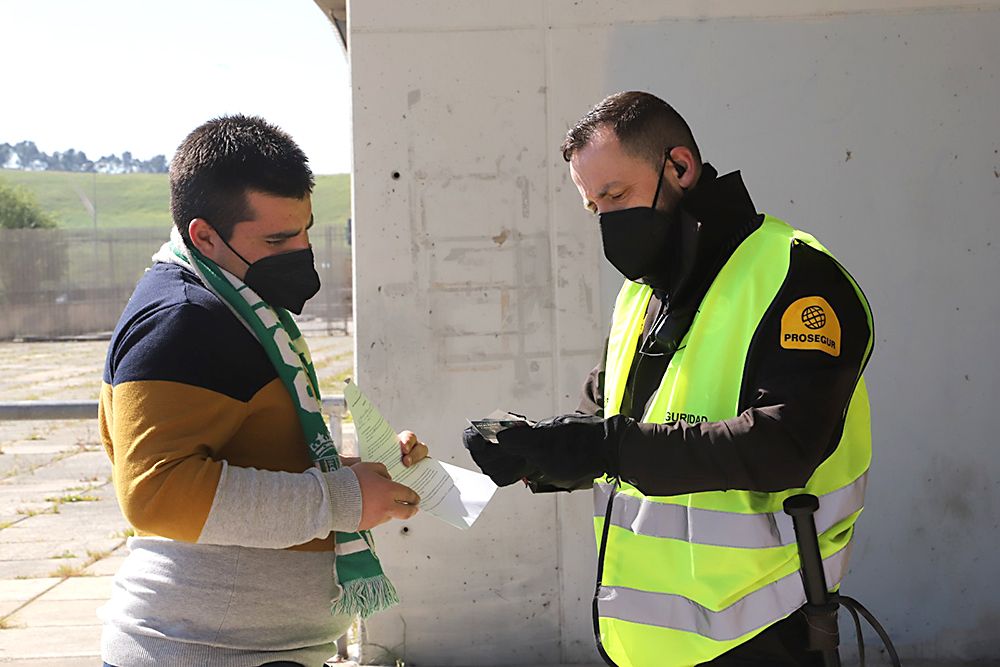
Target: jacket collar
{"x": 714, "y": 217}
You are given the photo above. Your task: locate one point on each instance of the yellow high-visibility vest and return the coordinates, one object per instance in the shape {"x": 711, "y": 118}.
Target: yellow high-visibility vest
{"x": 686, "y": 578}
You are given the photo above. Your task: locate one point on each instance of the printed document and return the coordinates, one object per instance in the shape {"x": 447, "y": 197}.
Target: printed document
{"x": 454, "y": 495}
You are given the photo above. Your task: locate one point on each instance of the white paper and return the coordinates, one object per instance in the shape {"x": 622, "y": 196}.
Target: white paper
{"x": 455, "y": 495}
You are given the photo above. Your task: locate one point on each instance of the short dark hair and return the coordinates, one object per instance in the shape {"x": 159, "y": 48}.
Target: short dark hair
{"x": 645, "y": 125}
{"x": 221, "y": 161}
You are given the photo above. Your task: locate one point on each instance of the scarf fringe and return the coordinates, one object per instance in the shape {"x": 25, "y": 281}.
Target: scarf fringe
{"x": 365, "y": 597}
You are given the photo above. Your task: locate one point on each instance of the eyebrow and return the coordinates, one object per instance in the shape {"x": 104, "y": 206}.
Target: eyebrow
{"x": 278, "y": 236}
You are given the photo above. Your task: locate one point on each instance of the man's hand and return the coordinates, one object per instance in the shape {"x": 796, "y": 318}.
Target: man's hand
{"x": 411, "y": 451}
{"x": 381, "y": 498}
{"x": 568, "y": 448}
{"x": 502, "y": 467}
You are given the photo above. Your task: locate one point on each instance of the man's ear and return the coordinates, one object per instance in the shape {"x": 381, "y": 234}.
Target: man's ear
{"x": 686, "y": 168}
{"x": 204, "y": 238}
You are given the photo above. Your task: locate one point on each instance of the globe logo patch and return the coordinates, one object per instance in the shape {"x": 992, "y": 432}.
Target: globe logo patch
{"x": 814, "y": 317}
{"x": 811, "y": 324}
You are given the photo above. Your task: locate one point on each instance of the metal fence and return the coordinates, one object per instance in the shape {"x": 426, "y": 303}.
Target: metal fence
{"x": 72, "y": 282}
{"x": 334, "y": 406}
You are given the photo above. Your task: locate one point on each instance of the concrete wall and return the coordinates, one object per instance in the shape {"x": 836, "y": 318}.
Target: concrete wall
{"x": 478, "y": 283}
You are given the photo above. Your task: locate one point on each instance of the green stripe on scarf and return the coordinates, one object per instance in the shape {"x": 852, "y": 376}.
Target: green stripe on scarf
{"x": 366, "y": 589}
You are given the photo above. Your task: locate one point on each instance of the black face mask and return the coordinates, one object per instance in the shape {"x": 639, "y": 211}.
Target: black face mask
{"x": 286, "y": 280}
{"x": 637, "y": 240}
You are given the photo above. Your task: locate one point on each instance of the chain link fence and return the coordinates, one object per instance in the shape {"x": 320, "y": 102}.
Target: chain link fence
{"x": 57, "y": 283}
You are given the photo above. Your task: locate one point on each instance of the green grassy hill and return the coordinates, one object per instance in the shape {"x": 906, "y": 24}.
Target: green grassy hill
{"x": 143, "y": 200}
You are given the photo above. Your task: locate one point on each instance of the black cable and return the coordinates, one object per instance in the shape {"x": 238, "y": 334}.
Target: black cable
{"x": 857, "y": 629}
{"x": 853, "y": 605}
{"x": 595, "y": 612}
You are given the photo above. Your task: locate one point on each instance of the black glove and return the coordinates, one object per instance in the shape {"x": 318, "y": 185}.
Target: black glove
{"x": 502, "y": 467}
{"x": 568, "y": 448}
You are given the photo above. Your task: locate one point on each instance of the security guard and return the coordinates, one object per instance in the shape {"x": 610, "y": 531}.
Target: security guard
{"x": 732, "y": 380}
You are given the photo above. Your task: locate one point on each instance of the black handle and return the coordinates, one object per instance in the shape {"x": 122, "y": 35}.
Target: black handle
{"x": 820, "y": 608}
{"x": 801, "y": 509}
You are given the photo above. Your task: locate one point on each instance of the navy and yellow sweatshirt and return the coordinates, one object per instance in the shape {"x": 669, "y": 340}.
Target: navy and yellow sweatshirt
{"x": 233, "y": 558}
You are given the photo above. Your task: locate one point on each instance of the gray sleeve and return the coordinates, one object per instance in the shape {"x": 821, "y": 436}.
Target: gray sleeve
{"x": 275, "y": 510}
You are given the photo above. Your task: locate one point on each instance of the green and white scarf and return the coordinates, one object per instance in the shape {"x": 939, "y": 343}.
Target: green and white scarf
{"x": 366, "y": 589}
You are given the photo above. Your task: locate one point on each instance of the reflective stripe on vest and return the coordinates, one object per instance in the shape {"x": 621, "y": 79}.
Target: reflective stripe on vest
{"x": 686, "y": 578}
{"x": 724, "y": 529}
{"x": 747, "y": 614}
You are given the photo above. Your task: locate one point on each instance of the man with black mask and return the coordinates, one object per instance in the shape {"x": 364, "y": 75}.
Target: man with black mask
{"x": 250, "y": 532}
{"x": 731, "y": 380}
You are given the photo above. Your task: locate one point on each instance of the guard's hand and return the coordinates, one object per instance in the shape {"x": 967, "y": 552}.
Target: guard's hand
{"x": 381, "y": 498}
{"x": 411, "y": 449}
{"x": 502, "y": 467}
{"x": 568, "y": 448}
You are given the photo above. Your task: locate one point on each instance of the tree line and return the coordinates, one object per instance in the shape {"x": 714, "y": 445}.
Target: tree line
{"x": 25, "y": 155}
{"x": 24, "y": 270}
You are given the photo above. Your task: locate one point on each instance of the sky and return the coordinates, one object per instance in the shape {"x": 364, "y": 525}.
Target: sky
{"x": 108, "y": 76}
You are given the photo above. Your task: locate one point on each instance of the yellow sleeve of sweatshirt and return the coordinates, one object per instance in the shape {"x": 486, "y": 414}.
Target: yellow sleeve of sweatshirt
{"x": 163, "y": 439}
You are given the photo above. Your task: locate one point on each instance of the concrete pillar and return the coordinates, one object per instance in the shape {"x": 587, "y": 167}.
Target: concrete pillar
{"x": 477, "y": 280}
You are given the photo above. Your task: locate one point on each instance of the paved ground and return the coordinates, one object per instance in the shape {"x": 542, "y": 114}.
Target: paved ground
{"x": 61, "y": 541}
{"x": 62, "y": 535}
